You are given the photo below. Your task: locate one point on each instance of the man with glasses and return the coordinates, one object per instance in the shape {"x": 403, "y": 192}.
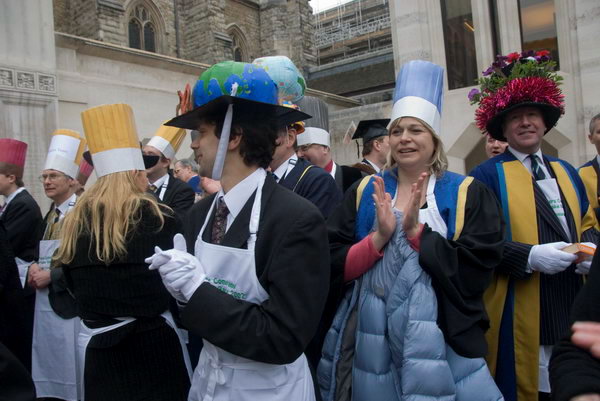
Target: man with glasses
{"x": 314, "y": 146}
{"x": 22, "y": 219}
{"x": 187, "y": 171}
{"x": 55, "y": 325}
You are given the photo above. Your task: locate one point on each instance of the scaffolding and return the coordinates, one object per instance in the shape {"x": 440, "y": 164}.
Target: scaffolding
{"x": 345, "y": 30}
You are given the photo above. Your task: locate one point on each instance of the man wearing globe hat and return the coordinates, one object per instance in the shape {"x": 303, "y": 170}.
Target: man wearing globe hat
{"x": 256, "y": 269}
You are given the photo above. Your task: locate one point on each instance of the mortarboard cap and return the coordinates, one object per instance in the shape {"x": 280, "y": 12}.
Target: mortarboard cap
{"x": 371, "y": 129}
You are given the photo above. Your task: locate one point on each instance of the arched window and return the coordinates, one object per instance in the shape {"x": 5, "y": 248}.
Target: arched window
{"x": 237, "y": 54}
{"x": 142, "y": 31}
{"x": 149, "y": 37}
{"x": 134, "y": 34}
{"x": 239, "y": 47}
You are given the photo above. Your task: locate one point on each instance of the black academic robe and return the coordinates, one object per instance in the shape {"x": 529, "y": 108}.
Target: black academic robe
{"x": 292, "y": 265}
{"x": 315, "y": 184}
{"x": 178, "y": 196}
{"x": 13, "y": 327}
{"x": 460, "y": 269}
{"x": 573, "y": 370}
{"x": 142, "y": 360}
{"x": 23, "y": 222}
{"x": 345, "y": 176}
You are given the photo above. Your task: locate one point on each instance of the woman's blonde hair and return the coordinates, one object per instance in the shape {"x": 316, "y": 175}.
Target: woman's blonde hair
{"x": 439, "y": 162}
{"x": 106, "y": 212}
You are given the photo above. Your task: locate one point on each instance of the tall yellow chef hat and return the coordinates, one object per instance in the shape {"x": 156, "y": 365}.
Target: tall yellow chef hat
{"x": 65, "y": 152}
{"x": 167, "y": 140}
{"x": 112, "y": 139}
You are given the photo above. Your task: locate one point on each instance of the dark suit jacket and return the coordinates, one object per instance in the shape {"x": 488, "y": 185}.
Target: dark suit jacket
{"x": 179, "y": 196}
{"x": 292, "y": 265}
{"x": 23, "y": 221}
{"x": 316, "y": 185}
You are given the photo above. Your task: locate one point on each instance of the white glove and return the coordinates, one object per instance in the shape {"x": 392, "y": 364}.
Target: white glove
{"x": 181, "y": 272}
{"x": 549, "y": 259}
{"x": 584, "y": 266}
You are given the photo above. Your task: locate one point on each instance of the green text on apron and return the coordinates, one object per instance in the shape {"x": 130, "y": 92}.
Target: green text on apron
{"x": 220, "y": 375}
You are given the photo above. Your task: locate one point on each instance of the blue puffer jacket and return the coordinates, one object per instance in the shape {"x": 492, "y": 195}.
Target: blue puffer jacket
{"x": 388, "y": 320}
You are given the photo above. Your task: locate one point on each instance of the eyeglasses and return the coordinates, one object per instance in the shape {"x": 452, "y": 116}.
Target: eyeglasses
{"x": 50, "y": 177}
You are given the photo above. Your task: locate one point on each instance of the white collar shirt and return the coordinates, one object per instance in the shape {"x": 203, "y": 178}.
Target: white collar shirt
{"x": 236, "y": 197}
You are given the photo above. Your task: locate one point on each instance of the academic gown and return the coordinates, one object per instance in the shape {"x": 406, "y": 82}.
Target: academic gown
{"x": 292, "y": 265}
{"x": 573, "y": 370}
{"x": 142, "y": 360}
{"x": 345, "y": 176}
{"x": 530, "y": 309}
{"x": 13, "y": 328}
{"x": 315, "y": 184}
{"x": 590, "y": 174}
{"x": 178, "y": 196}
{"x": 460, "y": 267}
{"x": 22, "y": 219}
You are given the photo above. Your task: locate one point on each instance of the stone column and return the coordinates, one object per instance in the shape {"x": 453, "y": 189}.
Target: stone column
{"x": 28, "y": 86}
{"x": 411, "y": 38}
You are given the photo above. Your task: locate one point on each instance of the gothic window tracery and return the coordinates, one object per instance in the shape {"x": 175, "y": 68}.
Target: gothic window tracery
{"x": 142, "y": 29}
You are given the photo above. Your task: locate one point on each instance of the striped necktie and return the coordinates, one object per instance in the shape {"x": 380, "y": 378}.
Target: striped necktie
{"x": 536, "y": 169}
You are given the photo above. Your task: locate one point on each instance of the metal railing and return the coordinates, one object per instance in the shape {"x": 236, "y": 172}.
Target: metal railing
{"x": 348, "y": 30}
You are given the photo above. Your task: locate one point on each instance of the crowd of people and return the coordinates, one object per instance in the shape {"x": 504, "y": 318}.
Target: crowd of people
{"x": 262, "y": 269}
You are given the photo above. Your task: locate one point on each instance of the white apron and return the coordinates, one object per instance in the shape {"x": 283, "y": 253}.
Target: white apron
{"x": 54, "y": 351}
{"x": 86, "y": 334}
{"x": 223, "y": 376}
{"x": 431, "y": 215}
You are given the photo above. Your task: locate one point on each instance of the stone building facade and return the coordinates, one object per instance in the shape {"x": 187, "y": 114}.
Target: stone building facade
{"x": 62, "y": 57}
{"x": 206, "y": 31}
{"x": 463, "y": 36}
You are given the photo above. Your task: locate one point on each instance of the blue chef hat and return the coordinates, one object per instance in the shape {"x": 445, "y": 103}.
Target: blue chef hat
{"x": 419, "y": 93}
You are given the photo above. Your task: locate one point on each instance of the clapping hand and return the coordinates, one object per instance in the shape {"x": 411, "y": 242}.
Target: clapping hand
{"x": 410, "y": 223}
{"x": 386, "y": 221}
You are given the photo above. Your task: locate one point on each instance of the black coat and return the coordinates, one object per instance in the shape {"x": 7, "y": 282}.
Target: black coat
{"x": 23, "y": 222}
{"x": 345, "y": 176}
{"x": 292, "y": 265}
{"x": 15, "y": 329}
{"x": 179, "y": 196}
{"x": 15, "y": 380}
{"x": 573, "y": 370}
{"x": 142, "y": 360}
{"x": 314, "y": 184}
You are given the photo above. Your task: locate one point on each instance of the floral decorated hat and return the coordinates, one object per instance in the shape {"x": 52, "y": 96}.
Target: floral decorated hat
{"x": 526, "y": 79}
